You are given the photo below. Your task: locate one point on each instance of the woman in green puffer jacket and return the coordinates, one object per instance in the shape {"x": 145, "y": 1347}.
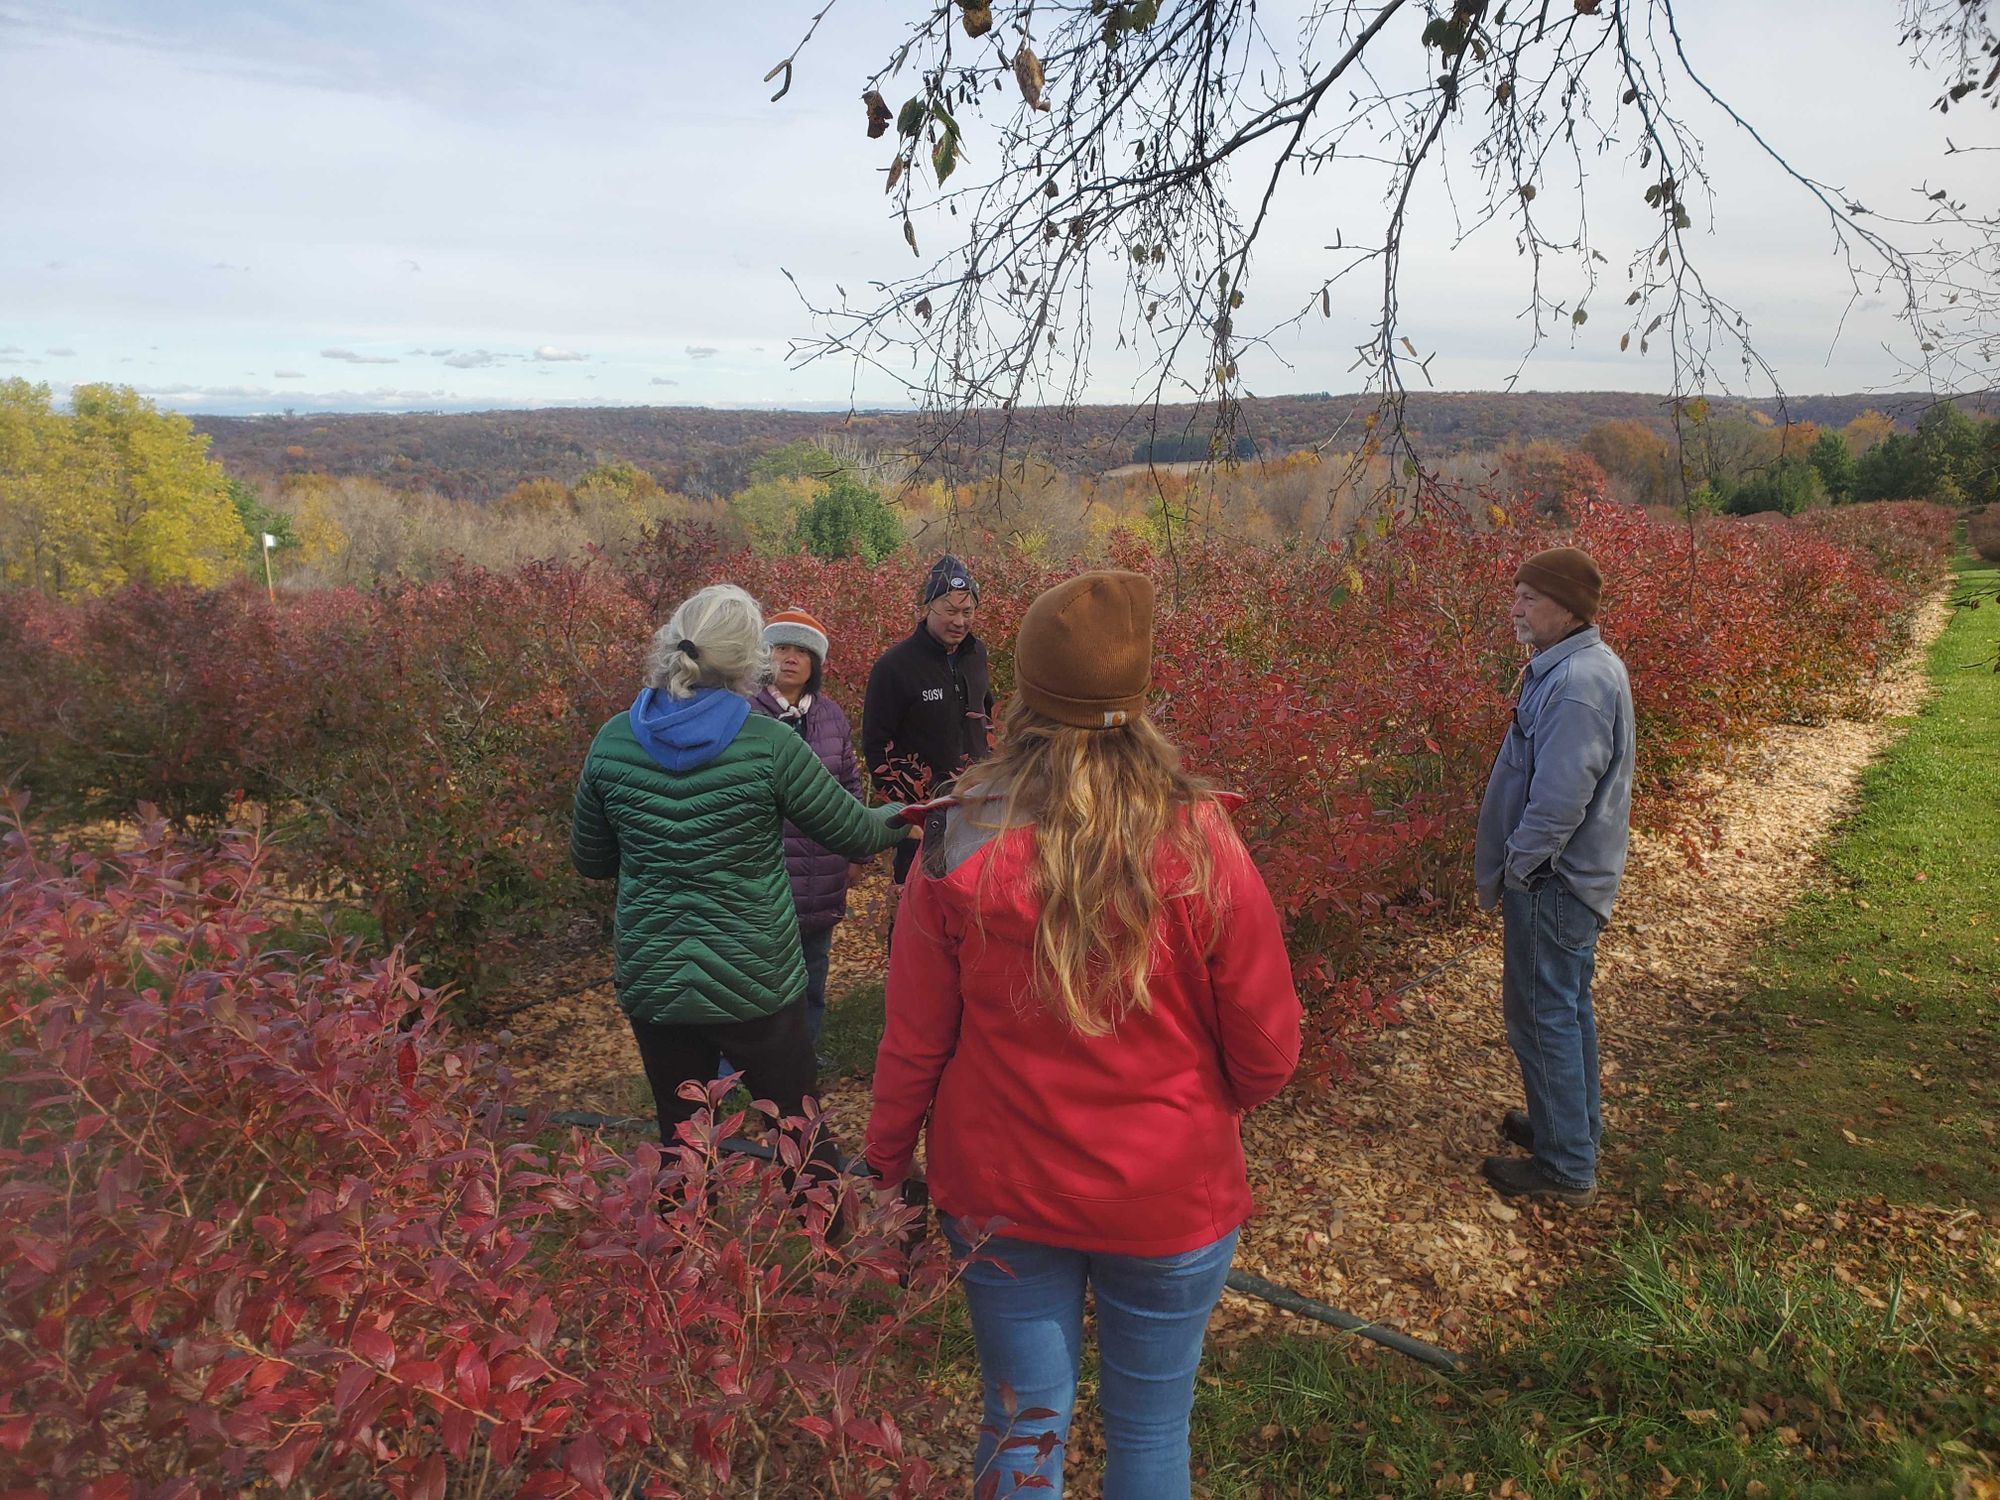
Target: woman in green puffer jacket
{"x": 684, "y": 800}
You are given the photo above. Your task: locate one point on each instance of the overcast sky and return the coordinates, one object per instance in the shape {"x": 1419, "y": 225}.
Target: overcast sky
{"x": 412, "y": 204}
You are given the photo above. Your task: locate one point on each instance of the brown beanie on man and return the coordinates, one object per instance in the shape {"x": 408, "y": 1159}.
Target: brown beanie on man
{"x": 1084, "y": 652}
{"x": 1568, "y": 576}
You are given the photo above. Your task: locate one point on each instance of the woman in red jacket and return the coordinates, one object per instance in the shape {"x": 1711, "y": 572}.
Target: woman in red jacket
{"x": 1088, "y": 989}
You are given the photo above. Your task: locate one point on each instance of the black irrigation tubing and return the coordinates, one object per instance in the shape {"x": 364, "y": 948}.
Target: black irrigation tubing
{"x": 1379, "y": 1333}
{"x": 488, "y": 1018}
{"x": 1283, "y": 1298}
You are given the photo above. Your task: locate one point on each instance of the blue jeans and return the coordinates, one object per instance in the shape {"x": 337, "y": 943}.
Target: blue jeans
{"x": 1550, "y": 955}
{"x": 1027, "y": 1321}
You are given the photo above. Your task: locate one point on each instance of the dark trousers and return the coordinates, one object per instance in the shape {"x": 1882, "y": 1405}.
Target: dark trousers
{"x": 774, "y": 1053}
{"x": 818, "y": 950}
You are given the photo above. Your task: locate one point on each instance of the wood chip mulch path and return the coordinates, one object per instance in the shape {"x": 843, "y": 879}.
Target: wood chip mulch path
{"x": 1369, "y": 1192}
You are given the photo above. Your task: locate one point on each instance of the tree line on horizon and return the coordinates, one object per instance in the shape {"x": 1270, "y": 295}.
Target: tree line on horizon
{"x": 707, "y": 454}
{"x": 114, "y": 490}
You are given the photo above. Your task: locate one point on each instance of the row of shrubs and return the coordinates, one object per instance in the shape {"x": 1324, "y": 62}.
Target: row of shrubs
{"x": 266, "y": 1228}
{"x": 416, "y": 746}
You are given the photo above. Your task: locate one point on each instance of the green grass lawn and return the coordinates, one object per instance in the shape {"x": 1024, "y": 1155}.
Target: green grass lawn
{"x": 852, "y": 1032}
{"x": 1811, "y": 1305}
{"x": 1871, "y": 1057}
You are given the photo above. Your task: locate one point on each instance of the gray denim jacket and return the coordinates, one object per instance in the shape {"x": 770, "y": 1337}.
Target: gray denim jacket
{"x": 1560, "y": 797}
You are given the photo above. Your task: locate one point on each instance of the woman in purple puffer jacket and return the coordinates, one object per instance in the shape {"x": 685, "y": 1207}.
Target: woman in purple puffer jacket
{"x": 819, "y": 876}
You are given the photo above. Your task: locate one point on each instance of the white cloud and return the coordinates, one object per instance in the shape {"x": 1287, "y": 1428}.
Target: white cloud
{"x": 352, "y": 358}
{"x": 393, "y": 134}
{"x": 472, "y": 359}
{"x": 192, "y": 395}
{"x": 61, "y": 353}
{"x": 662, "y": 380}
{"x": 13, "y": 349}
{"x": 288, "y": 374}
{"x": 552, "y": 354}
{"x": 223, "y": 265}
{"x": 204, "y": 392}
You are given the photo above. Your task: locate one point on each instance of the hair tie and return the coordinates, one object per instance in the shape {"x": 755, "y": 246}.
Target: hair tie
{"x": 687, "y": 647}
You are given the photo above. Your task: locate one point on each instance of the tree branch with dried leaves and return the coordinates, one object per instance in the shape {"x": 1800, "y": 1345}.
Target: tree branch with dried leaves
{"x": 1120, "y": 161}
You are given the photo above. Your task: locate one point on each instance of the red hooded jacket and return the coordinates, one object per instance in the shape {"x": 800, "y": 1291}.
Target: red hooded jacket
{"x": 1128, "y": 1143}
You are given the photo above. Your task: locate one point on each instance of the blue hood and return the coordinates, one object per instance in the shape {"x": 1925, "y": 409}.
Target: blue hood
{"x": 682, "y": 733}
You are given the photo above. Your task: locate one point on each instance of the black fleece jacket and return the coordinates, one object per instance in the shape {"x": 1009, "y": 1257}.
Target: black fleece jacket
{"x": 927, "y": 714}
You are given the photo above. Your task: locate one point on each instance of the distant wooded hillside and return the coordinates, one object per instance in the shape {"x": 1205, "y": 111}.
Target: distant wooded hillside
{"x": 699, "y": 451}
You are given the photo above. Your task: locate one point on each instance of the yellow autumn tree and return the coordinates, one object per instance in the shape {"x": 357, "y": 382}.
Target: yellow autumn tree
{"x": 1868, "y": 429}
{"x": 115, "y": 492}
{"x": 308, "y": 499}
{"x": 49, "y": 540}
{"x": 537, "y": 498}
{"x": 763, "y": 512}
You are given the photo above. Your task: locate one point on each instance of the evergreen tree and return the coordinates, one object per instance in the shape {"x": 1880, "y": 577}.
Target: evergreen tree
{"x": 847, "y": 518}
{"x": 1831, "y": 456}
{"x": 1891, "y": 470}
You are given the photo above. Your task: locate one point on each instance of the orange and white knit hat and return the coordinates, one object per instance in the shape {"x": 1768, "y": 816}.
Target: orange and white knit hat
{"x": 794, "y": 627}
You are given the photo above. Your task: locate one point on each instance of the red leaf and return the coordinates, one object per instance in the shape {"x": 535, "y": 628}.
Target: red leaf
{"x": 430, "y": 1479}
{"x": 541, "y": 1324}
{"x": 375, "y": 1346}
{"x": 504, "y": 1442}
{"x": 583, "y": 1460}
{"x": 283, "y": 1462}
{"x": 473, "y": 1375}
{"x": 352, "y": 1382}
{"x": 456, "y": 1429}
{"x": 323, "y": 1241}
{"x": 428, "y": 1373}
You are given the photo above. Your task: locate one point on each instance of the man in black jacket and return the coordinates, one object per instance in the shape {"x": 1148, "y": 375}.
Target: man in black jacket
{"x": 929, "y": 703}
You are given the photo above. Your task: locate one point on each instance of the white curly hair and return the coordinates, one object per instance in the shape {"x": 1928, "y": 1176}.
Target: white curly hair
{"x": 725, "y": 629}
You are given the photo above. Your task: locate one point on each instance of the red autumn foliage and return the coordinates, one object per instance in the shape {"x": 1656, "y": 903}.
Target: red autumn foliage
{"x": 265, "y": 1226}
{"x": 418, "y": 746}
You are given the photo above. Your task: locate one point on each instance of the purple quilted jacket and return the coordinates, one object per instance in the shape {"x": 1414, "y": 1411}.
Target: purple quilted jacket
{"x": 819, "y": 876}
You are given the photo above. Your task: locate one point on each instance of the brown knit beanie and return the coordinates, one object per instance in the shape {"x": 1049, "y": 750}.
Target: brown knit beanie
{"x": 1084, "y": 653}
{"x": 1568, "y": 576}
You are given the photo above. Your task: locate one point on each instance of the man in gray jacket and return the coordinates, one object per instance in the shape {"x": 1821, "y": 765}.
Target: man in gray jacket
{"x": 1550, "y": 852}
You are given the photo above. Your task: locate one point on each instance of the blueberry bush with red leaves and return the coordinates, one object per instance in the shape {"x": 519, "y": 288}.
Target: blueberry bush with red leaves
{"x": 1907, "y": 540}
{"x": 266, "y": 1227}
{"x": 417, "y": 747}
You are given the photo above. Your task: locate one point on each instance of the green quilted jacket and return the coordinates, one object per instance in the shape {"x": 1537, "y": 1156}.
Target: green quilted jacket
{"x": 705, "y": 925}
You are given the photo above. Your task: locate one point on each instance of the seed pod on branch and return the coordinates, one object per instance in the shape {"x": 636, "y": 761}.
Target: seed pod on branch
{"x": 1028, "y": 73}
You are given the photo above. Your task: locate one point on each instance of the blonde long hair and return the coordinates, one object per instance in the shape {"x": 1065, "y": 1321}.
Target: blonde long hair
{"x": 1103, "y": 802}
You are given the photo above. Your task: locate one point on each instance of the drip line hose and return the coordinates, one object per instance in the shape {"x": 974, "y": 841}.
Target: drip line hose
{"x": 1283, "y": 1298}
